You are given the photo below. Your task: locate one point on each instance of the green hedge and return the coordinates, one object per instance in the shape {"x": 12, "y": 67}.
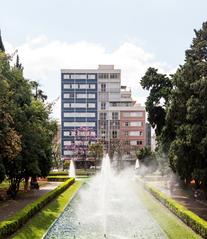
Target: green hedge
{"x": 57, "y": 178}
{"x": 58, "y": 173}
{"x": 13, "y": 223}
{"x": 191, "y": 219}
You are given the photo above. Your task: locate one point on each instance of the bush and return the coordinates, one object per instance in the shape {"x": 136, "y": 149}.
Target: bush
{"x": 57, "y": 178}
{"x": 13, "y": 223}
{"x": 59, "y": 173}
{"x": 191, "y": 219}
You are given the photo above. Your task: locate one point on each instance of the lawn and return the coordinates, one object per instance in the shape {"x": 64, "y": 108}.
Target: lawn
{"x": 171, "y": 225}
{"x": 36, "y": 227}
{"x": 5, "y": 184}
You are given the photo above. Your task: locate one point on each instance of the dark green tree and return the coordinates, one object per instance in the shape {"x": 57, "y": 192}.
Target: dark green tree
{"x": 160, "y": 87}
{"x": 26, "y": 130}
{"x": 188, "y": 113}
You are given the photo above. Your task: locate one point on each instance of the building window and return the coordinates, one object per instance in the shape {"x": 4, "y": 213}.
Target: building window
{"x": 78, "y": 76}
{"x": 103, "y": 116}
{"x": 103, "y": 87}
{"x": 114, "y": 134}
{"x": 66, "y": 77}
{"x": 67, "y": 96}
{"x": 91, "y": 96}
{"x": 91, "y": 105}
{"x": 136, "y": 123}
{"x": 126, "y": 124}
{"x": 115, "y": 115}
{"x": 114, "y": 75}
{"x": 92, "y": 86}
{"x": 81, "y": 96}
{"x": 67, "y": 105}
{"x": 103, "y": 105}
{"x": 126, "y": 133}
{"x": 67, "y": 86}
{"x": 126, "y": 114}
{"x": 139, "y": 142}
{"x": 134, "y": 133}
{"x": 103, "y": 75}
{"x": 91, "y": 77}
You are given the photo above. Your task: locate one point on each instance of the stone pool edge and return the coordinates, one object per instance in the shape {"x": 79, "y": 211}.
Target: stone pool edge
{"x": 69, "y": 201}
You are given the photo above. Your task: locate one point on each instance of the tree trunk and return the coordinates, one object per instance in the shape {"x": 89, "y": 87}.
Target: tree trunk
{"x": 26, "y": 184}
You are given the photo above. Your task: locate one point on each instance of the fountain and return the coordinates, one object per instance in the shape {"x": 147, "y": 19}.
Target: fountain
{"x": 71, "y": 172}
{"x": 137, "y": 164}
{"x": 107, "y": 206}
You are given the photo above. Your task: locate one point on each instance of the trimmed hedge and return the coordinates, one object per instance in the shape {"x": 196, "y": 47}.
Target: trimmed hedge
{"x": 57, "y": 178}
{"x": 58, "y": 173}
{"x": 198, "y": 224}
{"x": 13, "y": 223}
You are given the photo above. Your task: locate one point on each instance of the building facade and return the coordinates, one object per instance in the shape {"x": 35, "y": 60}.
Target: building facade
{"x": 96, "y": 101}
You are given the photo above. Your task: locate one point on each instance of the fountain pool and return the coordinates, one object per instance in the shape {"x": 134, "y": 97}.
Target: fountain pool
{"x": 107, "y": 206}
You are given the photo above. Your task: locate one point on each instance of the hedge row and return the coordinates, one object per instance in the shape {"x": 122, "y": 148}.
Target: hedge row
{"x": 58, "y": 173}
{"x": 191, "y": 219}
{"x": 57, "y": 178}
{"x": 13, "y": 223}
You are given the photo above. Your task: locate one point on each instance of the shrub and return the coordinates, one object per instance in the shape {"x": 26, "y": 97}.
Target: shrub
{"x": 13, "y": 223}
{"x": 191, "y": 219}
{"x": 57, "y": 178}
{"x": 58, "y": 173}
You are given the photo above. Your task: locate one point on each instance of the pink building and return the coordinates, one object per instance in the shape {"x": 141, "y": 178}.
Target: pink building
{"x": 132, "y": 128}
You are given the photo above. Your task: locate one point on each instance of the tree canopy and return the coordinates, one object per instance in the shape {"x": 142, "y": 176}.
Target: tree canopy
{"x": 26, "y": 129}
{"x": 182, "y": 119}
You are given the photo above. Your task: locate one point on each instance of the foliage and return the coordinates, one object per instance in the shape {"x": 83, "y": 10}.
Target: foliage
{"x": 160, "y": 87}
{"x": 40, "y": 223}
{"x": 58, "y": 173}
{"x": 96, "y": 151}
{"x": 170, "y": 224}
{"x": 12, "y": 224}
{"x": 58, "y": 178}
{"x": 188, "y": 109}
{"x": 192, "y": 220}
{"x": 66, "y": 165}
{"x": 147, "y": 159}
{"x": 181, "y": 121}
{"x": 26, "y": 130}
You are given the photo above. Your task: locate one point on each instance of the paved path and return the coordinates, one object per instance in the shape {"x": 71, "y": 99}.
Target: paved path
{"x": 10, "y": 207}
{"x": 183, "y": 197}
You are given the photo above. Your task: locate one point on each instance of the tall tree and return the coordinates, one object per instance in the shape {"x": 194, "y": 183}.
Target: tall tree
{"x": 26, "y": 130}
{"x": 160, "y": 87}
{"x": 188, "y": 109}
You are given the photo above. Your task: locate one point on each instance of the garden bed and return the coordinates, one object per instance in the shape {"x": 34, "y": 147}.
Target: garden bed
{"x": 188, "y": 217}
{"x": 13, "y": 223}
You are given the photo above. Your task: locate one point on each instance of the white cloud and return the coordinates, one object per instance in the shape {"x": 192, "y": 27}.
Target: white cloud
{"x": 42, "y": 60}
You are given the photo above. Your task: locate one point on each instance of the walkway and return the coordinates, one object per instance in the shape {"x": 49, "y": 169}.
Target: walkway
{"x": 10, "y": 207}
{"x": 180, "y": 195}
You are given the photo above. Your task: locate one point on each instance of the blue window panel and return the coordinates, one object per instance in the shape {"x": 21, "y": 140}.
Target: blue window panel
{"x": 80, "y": 110}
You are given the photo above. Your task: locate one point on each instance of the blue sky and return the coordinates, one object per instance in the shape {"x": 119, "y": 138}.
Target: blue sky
{"x": 145, "y": 32}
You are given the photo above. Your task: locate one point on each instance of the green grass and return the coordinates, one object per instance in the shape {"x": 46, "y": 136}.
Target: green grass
{"x": 36, "y": 227}
{"x": 171, "y": 225}
{"x": 5, "y": 184}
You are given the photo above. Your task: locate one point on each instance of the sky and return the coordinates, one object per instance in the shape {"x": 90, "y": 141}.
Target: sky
{"x": 131, "y": 34}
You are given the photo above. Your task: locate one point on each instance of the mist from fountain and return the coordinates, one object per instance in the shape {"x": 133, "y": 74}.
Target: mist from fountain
{"x": 71, "y": 172}
{"x": 107, "y": 206}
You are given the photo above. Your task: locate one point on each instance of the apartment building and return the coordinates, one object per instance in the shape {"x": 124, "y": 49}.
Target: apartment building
{"x": 95, "y": 100}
